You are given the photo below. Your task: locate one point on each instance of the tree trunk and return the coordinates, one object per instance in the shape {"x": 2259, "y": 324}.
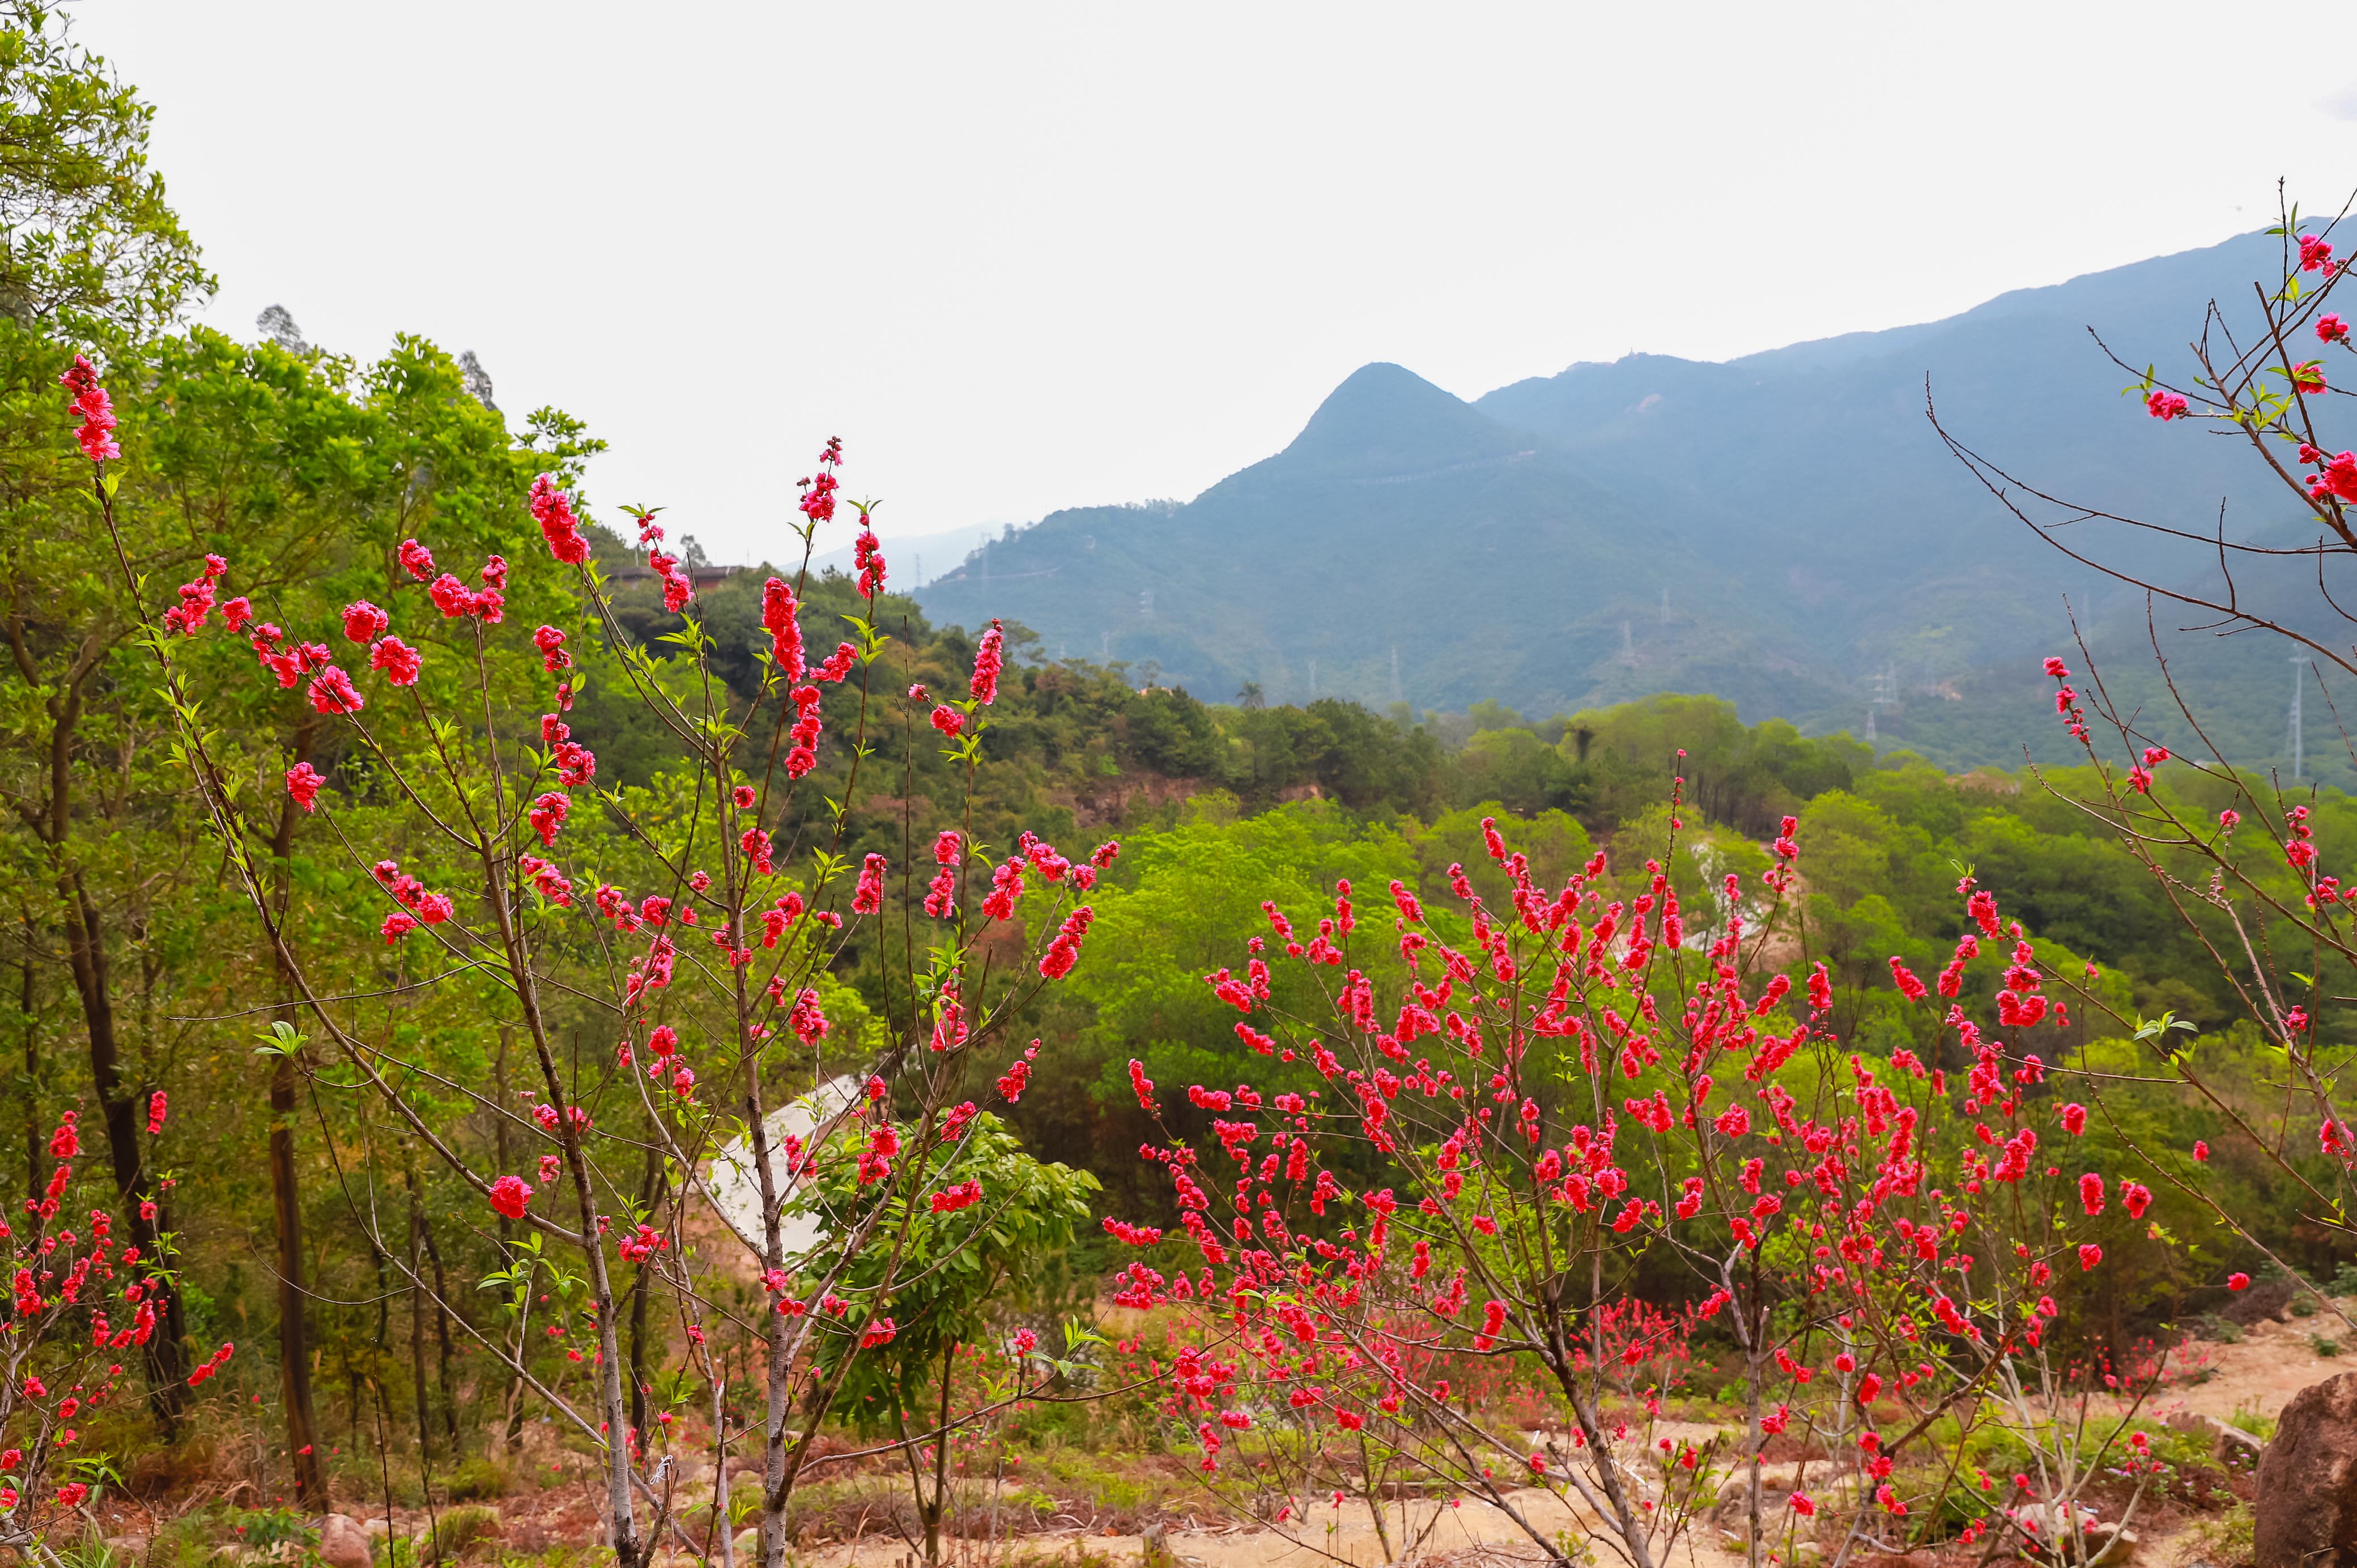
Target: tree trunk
{"x": 639, "y": 1302}
{"x": 167, "y": 1367}
{"x": 294, "y": 1333}
{"x": 37, "y": 1170}
{"x": 286, "y": 1198}
{"x": 441, "y": 1334}
{"x": 511, "y": 1427}
{"x": 417, "y": 1327}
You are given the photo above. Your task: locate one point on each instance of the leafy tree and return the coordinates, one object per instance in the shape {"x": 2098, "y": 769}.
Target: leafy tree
{"x": 964, "y": 1270}
{"x": 89, "y": 248}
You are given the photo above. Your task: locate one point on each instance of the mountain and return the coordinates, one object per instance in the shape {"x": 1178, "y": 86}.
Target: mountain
{"x": 1786, "y": 529}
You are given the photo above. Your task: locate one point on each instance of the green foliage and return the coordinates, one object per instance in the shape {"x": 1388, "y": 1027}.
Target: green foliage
{"x": 963, "y": 1273}
{"x": 92, "y": 250}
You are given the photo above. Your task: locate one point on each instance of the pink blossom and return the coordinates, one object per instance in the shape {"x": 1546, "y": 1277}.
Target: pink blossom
{"x": 989, "y": 658}
{"x": 332, "y": 692}
{"x": 399, "y": 661}
{"x": 363, "y": 622}
{"x": 509, "y": 1196}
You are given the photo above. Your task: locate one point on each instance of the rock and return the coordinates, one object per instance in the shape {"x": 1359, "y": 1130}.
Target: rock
{"x": 2106, "y": 1543}
{"x": 2229, "y": 1443}
{"x": 748, "y": 1545}
{"x": 342, "y": 1542}
{"x": 2268, "y": 1299}
{"x": 2306, "y": 1509}
{"x": 1733, "y": 1514}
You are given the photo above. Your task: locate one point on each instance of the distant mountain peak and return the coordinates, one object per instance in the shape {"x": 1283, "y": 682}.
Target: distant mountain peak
{"x": 1385, "y": 417}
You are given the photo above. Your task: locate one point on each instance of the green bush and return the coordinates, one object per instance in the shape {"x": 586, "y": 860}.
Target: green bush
{"x": 480, "y": 1478}
{"x": 461, "y": 1527}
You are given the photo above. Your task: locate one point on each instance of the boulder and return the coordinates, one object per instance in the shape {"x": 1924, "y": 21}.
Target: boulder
{"x": 2268, "y": 1300}
{"x": 2230, "y": 1444}
{"x": 2307, "y": 1510}
{"x": 1733, "y": 1514}
{"x": 342, "y": 1542}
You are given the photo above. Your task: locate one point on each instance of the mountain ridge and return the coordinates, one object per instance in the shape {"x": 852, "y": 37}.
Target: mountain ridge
{"x": 1785, "y": 528}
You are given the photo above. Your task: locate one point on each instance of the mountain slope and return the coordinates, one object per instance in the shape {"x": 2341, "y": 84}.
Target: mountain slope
{"x": 1401, "y": 519}
{"x": 1786, "y": 529}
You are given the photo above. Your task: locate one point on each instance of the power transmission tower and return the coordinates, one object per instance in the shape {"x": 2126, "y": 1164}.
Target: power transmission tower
{"x": 1884, "y": 696}
{"x": 1628, "y": 654}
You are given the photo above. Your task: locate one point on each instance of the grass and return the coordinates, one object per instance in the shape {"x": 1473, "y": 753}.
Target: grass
{"x": 2230, "y": 1537}
{"x": 463, "y": 1527}
{"x": 479, "y": 1478}
{"x": 2324, "y": 1345}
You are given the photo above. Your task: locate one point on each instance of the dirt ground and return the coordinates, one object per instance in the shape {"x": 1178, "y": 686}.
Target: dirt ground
{"x": 1468, "y": 1537}
{"x": 2235, "y": 1383}
{"x": 2274, "y": 1361}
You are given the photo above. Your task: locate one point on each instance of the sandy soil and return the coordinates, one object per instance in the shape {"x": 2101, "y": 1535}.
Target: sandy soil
{"x": 2259, "y": 1375}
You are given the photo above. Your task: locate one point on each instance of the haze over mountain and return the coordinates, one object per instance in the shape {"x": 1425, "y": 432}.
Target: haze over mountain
{"x": 1785, "y": 530}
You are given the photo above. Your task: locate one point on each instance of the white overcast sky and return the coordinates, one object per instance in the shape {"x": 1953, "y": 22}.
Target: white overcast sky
{"x": 1025, "y": 256}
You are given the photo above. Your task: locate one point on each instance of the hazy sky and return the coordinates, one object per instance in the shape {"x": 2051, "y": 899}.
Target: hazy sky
{"x": 1025, "y": 256}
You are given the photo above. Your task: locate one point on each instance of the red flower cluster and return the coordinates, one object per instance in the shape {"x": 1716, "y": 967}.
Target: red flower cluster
{"x": 964, "y": 1194}
{"x": 778, "y": 613}
{"x": 207, "y": 1369}
{"x": 94, "y": 408}
{"x": 867, "y": 898}
{"x": 547, "y": 815}
{"x": 1065, "y": 951}
{"x": 509, "y": 1193}
{"x": 989, "y": 658}
{"x": 804, "y": 733}
{"x": 867, "y": 560}
{"x": 576, "y": 763}
{"x": 455, "y": 599}
{"x": 677, "y": 588}
{"x": 197, "y": 601}
{"x": 818, "y": 494}
{"x": 552, "y": 510}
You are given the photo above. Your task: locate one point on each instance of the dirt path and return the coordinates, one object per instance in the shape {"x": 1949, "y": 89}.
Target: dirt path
{"x": 1470, "y": 1536}
{"x": 2274, "y": 1361}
